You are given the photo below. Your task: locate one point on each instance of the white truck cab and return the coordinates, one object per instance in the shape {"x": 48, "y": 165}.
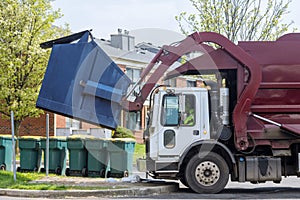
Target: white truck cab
{"x": 178, "y": 118}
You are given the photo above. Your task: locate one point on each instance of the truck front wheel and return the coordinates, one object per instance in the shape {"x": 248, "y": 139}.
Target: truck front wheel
{"x": 207, "y": 173}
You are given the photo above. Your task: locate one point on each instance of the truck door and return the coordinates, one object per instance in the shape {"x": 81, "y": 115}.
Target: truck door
{"x": 179, "y": 123}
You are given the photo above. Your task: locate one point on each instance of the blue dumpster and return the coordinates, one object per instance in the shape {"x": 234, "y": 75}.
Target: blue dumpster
{"x": 81, "y": 81}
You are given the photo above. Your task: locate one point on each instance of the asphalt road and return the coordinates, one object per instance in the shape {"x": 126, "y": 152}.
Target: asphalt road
{"x": 288, "y": 189}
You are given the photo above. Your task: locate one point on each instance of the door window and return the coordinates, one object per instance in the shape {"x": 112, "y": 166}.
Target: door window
{"x": 170, "y": 114}
{"x": 187, "y": 110}
{"x": 169, "y": 139}
{"x": 178, "y": 110}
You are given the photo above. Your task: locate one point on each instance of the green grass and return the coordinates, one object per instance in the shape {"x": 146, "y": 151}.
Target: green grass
{"x": 22, "y": 182}
{"x": 139, "y": 152}
{"x": 27, "y": 186}
{"x": 7, "y": 180}
{"x": 23, "y": 179}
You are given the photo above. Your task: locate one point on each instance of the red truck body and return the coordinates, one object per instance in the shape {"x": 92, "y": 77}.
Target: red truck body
{"x": 263, "y": 79}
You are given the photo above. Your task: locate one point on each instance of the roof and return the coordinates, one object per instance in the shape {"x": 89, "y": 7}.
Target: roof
{"x": 136, "y": 55}
{"x": 140, "y": 57}
{"x": 148, "y": 46}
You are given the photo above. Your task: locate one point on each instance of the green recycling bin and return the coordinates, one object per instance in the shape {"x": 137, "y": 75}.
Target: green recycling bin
{"x": 30, "y": 154}
{"x": 6, "y": 152}
{"x": 57, "y": 154}
{"x": 97, "y": 156}
{"x": 77, "y": 156}
{"x": 121, "y": 152}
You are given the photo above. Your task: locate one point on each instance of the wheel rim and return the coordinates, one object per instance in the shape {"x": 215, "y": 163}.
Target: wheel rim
{"x": 207, "y": 173}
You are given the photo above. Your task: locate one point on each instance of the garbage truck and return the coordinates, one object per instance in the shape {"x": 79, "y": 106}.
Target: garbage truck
{"x": 242, "y": 124}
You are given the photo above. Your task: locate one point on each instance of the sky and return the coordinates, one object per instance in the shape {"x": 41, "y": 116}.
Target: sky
{"x": 148, "y": 20}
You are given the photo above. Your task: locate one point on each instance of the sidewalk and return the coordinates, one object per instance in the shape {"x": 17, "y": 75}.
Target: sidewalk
{"x": 107, "y": 187}
{"x": 128, "y": 190}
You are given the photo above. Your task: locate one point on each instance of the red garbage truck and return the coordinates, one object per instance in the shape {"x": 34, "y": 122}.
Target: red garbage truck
{"x": 244, "y": 124}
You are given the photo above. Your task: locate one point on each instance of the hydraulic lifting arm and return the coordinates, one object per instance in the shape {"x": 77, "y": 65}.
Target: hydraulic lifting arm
{"x": 170, "y": 54}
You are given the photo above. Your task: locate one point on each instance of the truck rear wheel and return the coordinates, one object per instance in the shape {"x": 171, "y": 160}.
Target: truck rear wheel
{"x": 207, "y": 173}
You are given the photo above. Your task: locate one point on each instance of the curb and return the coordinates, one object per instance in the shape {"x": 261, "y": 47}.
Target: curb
{"x": 127, "y": 192}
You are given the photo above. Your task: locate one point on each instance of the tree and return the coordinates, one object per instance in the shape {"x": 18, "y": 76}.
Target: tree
{"x": 237, "y": 19}
{"x": 24, "y": 25}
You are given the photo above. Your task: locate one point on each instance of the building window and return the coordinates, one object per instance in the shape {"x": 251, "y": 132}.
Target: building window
{"x": 190, "y": 83}
{"x": 133, "y": 120}
{"x": 133, "y": 74}
{"x": 171, "y": 82}
{"x": 72, "y": 123}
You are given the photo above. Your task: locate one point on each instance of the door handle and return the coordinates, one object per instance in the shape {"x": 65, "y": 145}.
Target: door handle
{"x": 196, "y": 132}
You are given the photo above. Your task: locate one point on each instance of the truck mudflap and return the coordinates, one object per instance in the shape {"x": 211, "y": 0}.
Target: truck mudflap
{"x": 82, "y": 82}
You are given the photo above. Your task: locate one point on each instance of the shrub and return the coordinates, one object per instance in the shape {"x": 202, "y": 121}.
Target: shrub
{"x": 122, "y": 132}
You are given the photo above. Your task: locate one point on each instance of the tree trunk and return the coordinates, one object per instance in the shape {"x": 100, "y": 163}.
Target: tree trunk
{"x": 17, "y": 124}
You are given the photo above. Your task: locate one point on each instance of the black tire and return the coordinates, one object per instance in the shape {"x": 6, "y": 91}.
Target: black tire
{"x": 3, "y": 167}
{"x": 84, "y": 172}
{"x": 102, "y": 173}
{"x": 126, "y": 173}
{"x": 108, "y": 174}
{"x": 35, "y": 169}
{"x": 207, "y": 173}
{"x": 68, "y": 172}
{"x": 58, "y": 171}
